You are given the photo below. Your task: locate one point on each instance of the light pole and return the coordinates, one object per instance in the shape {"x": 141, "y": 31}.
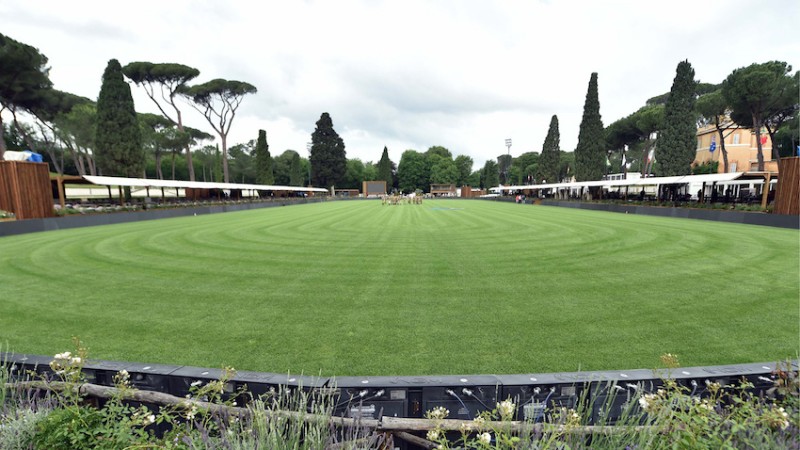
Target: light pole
{"x": 508, "y": 161}
{"x": 308, "y": 147}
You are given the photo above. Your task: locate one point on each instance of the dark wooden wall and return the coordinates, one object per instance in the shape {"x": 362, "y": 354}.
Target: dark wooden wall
{"x": 787, "y": 195}
{"x": 25, "y": 189}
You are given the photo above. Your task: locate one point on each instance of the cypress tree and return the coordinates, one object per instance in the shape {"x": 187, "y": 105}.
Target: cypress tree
{"x": 677, "y": 143}
{"x": 590, "y": 154}
{"x": 385, "y": 169}
{"x": 295, "y": 171}
{"x": 551, "y": 153}
{"x": 328, "y": 158}
{"x": 264, "y": 171}
{"x": 118, "y": 139}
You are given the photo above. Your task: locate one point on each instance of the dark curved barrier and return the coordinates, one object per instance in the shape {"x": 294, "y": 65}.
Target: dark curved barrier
{"x": 465, "y": 396}
{"x": 750, "y": 218}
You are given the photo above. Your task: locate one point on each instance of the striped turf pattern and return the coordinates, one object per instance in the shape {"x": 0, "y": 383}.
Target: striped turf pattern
{"x": 446, "y": 287}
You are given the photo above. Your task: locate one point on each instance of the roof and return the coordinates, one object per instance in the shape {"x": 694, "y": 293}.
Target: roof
{"x": 145, "y": 182}
{"x": 651, "y": 181}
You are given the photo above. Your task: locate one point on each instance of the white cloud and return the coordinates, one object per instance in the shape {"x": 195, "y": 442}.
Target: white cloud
{"x": 465, "y": 74}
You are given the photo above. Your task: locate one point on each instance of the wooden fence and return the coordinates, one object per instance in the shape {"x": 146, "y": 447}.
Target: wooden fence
{"x": 787, "y": 195}
{"x": 25, "y": 189}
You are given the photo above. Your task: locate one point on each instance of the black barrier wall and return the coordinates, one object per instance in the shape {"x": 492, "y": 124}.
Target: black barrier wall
{"x": 90, "y": 220}
{"x": 465, "y": 396}
{"x": 750, "y": 218}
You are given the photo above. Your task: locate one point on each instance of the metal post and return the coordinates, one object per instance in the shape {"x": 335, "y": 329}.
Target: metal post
{"x": 508, "y": 167}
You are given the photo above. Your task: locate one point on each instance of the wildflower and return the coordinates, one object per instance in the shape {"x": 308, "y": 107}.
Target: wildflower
{"x": 433, "y": 435}
{"x": 777, "y": 418}
{"x": 485, "y": 438}
{"x": 192, "y": 412}
{"x": 151, "y": 419}
{"x": 573, "y": 418}
{"x": 479, "y": 421}
{"x": 506, "y": 409}
{"x": 670, "y": 360}
{"x": 705, "y": 404}
{"x": 648, "y": 402}
{"x": 440, "y": 412}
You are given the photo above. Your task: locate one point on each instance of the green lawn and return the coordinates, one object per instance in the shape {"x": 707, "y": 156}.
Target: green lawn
{"x": 447, "y": 287}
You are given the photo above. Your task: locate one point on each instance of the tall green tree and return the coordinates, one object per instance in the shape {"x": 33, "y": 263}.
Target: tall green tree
{"x": 551, "y": 153}
{"x": 328, "y": 156}
{"x": 504, "y": 166}
{"x": 242, "y": 162}
{"x": 77, "y": 131}
{"x": 118, "y": 138}
{"x": 443, "y": 170}
{"x": 354, "y": 175}
{"x": 371, "y": 172}
{"x": 50, "y": 104}
{"x": 677, "y": 142}
{"x": 163, "y": 82}
{"x": 464, "y": 165}
{"x": 218, "y": 100}
{"x": 156, "y": 138}
{"x": 490, "y": 174}
{"x": 566, "y": 168}
{"x": 524, "y": 168}
{"x": 440, "y": 151}
{"x": 264, "y": 166}
{"x": 713, "y": 108}
{"x": 412, "y": 172}
{"x": 295, "y": 171}
{"x": 24, "y": 74}
{"x": 758, "y": 95}
{"x": 385, "y": 169}
{"x": 590, "y": 154}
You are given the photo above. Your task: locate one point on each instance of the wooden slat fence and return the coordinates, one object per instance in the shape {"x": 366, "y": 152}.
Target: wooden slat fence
{"x": 787, "y": 195}
{"x": 25, "y": 189}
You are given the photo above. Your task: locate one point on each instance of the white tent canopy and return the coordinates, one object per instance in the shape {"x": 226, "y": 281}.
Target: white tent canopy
{"x": 651, "y": 181}
{"x": 150, "y": 183}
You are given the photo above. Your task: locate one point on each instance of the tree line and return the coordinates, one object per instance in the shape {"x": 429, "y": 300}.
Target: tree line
{"x": 80, "y": 136}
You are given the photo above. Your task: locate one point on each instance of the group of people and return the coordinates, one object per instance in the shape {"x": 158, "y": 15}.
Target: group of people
{"x": 400, "y": 199}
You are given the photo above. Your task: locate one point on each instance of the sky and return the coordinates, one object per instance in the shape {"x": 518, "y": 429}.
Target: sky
{"x": 411, "y": 74}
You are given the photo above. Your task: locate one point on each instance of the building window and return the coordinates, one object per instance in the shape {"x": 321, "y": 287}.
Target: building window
{"x": 733, "y": 167}
{"x": 735, "y": 138}
{"x": 699, "y": 143}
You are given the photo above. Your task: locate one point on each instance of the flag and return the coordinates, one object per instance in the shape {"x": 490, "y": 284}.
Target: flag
{"x": 651, "y": 155}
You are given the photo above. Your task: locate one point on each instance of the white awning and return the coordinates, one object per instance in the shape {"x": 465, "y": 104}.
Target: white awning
{"x": 650, "y": 181}
{"x": 146, "y": 182}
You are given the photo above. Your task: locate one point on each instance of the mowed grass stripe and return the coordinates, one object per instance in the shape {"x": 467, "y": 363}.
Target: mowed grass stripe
{"x": 449, "y": 286}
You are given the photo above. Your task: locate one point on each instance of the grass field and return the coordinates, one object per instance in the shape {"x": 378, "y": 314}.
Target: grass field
{"x": 447, "y": 287}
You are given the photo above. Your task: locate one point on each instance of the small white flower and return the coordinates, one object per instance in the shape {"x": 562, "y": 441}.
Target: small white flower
{"x": 151, "y": 418}
{"x": 486, "y": 438}
{"x": 433, "y": 435}
{"x": 647, "y": 401}
{"x": 440, "y": 412}
{"x": 506, "y": 408}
